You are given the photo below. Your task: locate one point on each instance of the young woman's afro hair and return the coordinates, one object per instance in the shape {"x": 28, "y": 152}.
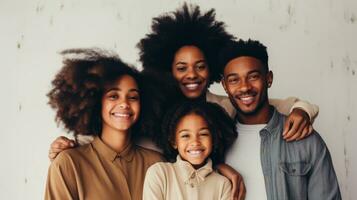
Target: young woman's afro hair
{"x": 78, "y": 87}
{"x": 185, "y": 26}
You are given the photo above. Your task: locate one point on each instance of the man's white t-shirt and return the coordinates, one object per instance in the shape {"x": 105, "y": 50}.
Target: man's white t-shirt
{"x": 244, "y": 156}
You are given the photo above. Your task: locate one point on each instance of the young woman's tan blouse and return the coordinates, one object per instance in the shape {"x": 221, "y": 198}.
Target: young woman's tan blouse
{"x": 95, "y": 171}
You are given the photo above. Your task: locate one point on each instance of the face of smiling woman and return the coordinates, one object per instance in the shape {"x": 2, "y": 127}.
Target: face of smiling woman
{"x": 190, "y": 70}
{"x": 121, "y": 104}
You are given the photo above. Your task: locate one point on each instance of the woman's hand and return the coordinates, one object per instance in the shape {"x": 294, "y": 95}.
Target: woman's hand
{"x": 297, "y": 125}
{"x": 60, "y": 144}
{"x": 238, "y": 187}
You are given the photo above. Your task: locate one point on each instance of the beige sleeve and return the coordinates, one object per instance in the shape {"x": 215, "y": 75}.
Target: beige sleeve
{"x": 227, "y": 190}
{"x": 285, "y": 106}
{"x": 61, "y": 183}
{"x": 84, "y": 139}
{"x": 154, "y": 184}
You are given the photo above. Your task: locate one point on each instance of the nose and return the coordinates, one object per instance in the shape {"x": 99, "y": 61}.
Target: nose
{"x": 245, "y": 86}
{"x": 124, "y": 104}
{"x": 195, "y": 141}
{"x": 191, "y": 73}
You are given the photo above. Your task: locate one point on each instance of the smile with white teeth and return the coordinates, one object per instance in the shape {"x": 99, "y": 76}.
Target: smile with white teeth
{"x": 121, "y": 115}
{"x": 195, "y": 153}
{"x": 192, "y": 86}
{"x": 247, "y": 99}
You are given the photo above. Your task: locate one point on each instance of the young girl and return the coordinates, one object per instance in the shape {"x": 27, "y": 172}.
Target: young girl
{"x": 198, "y": 134}
{"x": 97, "y": 94}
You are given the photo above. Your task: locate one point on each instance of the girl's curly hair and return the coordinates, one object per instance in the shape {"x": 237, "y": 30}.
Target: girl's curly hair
{"x": 185, "y": 26}
{"x": 219, "y": 123}
{"x": 78, "y": 88}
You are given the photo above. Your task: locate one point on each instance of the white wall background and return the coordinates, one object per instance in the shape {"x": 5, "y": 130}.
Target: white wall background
{"x": 312, "y": 46}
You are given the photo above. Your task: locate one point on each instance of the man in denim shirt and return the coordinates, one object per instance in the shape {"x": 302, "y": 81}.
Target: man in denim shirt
{"x": 289, "y": 170}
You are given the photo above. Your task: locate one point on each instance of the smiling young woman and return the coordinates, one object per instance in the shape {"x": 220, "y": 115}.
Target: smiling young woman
{"x": 100, "y": 96}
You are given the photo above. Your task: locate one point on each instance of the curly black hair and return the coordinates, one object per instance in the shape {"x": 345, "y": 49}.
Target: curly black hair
{"x": 185, "y": 26}
{"x": 78, "y": 87}
{"x": 235, "y": 49}
{"x": 219, "y": 123}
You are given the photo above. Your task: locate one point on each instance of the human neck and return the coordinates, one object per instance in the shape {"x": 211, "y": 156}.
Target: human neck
{"x": 262, "y": 116}
{"x": 116, "y": 140}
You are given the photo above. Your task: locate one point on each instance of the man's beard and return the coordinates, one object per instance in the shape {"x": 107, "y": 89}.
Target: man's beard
{"x": 255, "y": 111}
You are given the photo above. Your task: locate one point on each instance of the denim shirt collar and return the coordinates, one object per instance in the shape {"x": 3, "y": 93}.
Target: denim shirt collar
{"x": 274, "y": 126}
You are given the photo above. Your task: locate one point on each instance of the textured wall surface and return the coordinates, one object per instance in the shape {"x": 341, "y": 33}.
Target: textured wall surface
{"x": 312, "y": 46}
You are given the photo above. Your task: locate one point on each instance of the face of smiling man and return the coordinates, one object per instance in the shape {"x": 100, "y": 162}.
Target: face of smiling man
{"x": 246, "y": 81}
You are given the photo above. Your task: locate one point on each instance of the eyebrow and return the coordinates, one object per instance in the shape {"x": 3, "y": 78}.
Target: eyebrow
{"x": 231, "y": 74}
{"x": 118, "y": 89}
{"x": 250, "y": 72}
{"x": 183, "y": 63}
{"x": 201, "y": 129}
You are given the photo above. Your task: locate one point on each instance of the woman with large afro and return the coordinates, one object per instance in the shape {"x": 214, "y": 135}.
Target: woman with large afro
{"x": 98, "y": 95}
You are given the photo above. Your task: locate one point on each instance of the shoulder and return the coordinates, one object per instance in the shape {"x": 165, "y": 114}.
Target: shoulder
{"x": 160, "y": 167}
{"x": 219, "y": 178}
{"x": 310, "y": 149}
{"x": 220, "y": 181}
{"x": 315, "y": 141}
{"x": 159, "y": 171}
{"x": 71, "y": 157}
{"x": 65, "y": 161}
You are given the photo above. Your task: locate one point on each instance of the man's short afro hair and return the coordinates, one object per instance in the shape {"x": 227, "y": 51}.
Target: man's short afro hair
{"x": 235, "y": 49}
{"x": 185, "y": 26}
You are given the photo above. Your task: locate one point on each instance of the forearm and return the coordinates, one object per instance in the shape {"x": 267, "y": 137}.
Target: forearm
{"x": 285, "y": 106}
{"x": 227, "y": 171}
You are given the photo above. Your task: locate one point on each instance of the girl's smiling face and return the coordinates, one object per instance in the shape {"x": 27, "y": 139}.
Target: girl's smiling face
{"x": 121, "y": 104}
{"x": 193, "y": 139}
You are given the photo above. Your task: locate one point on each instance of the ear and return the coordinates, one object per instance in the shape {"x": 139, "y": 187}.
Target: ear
{"x": 224, "y": 85}
{"x": 270, "y": 78}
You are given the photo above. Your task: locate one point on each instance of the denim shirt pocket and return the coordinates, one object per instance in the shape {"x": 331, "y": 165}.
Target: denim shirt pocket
{"x": 294, "y": 179}
{"x": 295, "y": 168}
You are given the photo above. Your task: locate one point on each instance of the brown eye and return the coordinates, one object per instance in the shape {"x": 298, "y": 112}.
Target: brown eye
{"x": 134, "y": 98}
{"x": 204, "y": 133}
{"x": 254, "y": 76}
{"x": 113, "y": 96}
{"x": 181, "y": 68}
{"x": 201, "y": 67}
{"x": 232, "y": 80}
